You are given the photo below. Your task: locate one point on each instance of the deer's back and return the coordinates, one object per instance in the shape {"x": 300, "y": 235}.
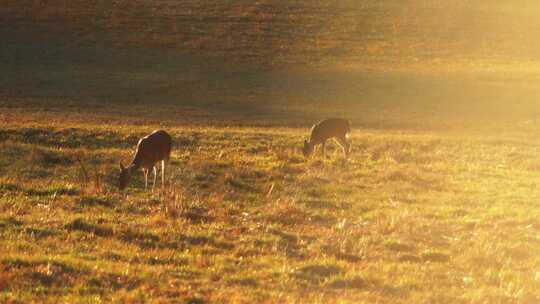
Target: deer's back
{"x": 153, "y": 148}
{"x": 328, "y": 128}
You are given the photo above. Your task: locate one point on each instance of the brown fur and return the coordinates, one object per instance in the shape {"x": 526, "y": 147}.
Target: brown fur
{"x": 336, "y": 128}
{"x": 151, "y": 149}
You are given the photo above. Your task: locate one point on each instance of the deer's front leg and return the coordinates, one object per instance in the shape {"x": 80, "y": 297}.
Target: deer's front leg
{"x": 145, "y": 171}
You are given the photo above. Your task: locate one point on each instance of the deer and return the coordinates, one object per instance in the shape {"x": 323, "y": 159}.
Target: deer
{"x": 336, "y": 128}
{"x": 151, "y": 149}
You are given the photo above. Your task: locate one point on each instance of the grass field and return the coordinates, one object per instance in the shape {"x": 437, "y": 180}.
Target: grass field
{"x": 429, "y": 217}
{"x": 438, "y": 202}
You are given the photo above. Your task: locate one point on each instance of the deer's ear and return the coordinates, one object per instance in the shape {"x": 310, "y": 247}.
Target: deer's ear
{"x": 122, "y": 166}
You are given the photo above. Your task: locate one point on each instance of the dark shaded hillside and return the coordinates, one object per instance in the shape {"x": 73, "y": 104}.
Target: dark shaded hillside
{"x": 276, "y": 32}
{"x": 383, "y": 64}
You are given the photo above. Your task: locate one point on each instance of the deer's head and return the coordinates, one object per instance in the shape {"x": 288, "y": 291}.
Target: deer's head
{"x": 124, "y": 178}
{"x": 307, "y": 149}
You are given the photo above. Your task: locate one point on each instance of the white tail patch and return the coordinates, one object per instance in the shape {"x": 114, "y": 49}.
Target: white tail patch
{"x": 347, "y": 135}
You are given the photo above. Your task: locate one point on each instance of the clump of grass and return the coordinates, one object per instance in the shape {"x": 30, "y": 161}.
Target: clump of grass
{"x": 89, "y": 182}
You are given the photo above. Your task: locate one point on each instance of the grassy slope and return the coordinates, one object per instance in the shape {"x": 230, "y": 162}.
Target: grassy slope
{"x": 278, "y": 32}
{"x": 384, "y": 65}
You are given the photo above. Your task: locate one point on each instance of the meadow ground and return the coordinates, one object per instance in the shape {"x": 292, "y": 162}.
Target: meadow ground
{"x": 412, "y": 217}
{"x": 438, "y": 202}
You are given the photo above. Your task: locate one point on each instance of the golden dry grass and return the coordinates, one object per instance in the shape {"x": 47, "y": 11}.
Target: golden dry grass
{"x": 410, "y": 217}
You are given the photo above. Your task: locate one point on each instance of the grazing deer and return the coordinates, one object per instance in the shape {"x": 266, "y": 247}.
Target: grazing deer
{"x": 151, "y": 149}
{"x": 336, "y": 128}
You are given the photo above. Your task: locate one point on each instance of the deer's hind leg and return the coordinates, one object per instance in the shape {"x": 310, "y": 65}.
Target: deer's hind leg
{"x": 163, "y": 173}
{"x": 154, "y": 169}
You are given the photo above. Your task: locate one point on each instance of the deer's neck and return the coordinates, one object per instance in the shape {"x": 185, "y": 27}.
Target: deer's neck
{"x": 137, "y": 161}
{"x": 133, "y": 166}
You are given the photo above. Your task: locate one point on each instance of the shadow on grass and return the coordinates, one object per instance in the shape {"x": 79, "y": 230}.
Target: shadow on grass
{"x": 326, "y": 204}
{"x": 51, "y": 191}
{"x": 10, "y": 222}
{"x": 69, "y": 138}
{"x": 40, "y": 233}
{"x": 108, "y": 281}
{"x": 317, "y": 273}
{"x": 38, "y": 191}
{"x": 18, "y": 263}
{"x": 197, "y": 215}
{"x": 81, "y": 225}
{"x": 147, "y": 239}
{"x": 40, "y": 272}
{"x": 89, "y": 201}
{"x": 355, "y": 282}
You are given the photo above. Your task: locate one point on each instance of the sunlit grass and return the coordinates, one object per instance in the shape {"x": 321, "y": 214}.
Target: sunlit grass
{"x": 408, "y": 218}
